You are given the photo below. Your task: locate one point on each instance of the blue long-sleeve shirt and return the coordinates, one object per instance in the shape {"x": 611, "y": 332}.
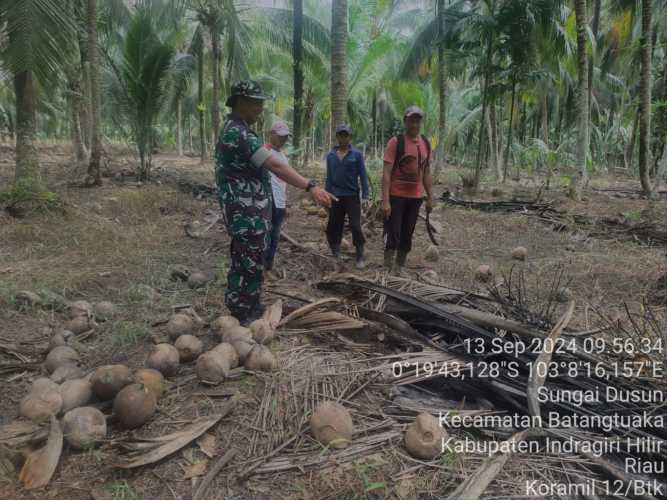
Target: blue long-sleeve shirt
{"x": 343, "y": 176}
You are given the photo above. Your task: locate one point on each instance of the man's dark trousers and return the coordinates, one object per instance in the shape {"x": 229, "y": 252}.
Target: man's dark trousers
{"x": 277, "y": 219}
{"x": 401, "y": 223}
{"x": 350, "y": 205}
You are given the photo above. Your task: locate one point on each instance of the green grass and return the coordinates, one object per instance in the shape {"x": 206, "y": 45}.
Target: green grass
{"x": 129, "y": 333}
{"x": 121, "y": 490}
{"x": 364, "y": 471}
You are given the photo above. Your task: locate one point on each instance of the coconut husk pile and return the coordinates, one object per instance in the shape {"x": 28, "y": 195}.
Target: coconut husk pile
{"x": 443, "y": 319}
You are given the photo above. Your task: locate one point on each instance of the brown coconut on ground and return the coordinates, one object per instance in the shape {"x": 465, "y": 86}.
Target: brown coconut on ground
{"x": 179, "y": 324}
{"x": 423, "y": 438}
{"x": 84, "y": 427}
{"x": 261, "y": 330}
{"x": 237, "y": 333}
{"x": 520, "y": 253}
{"x": 134, "y": 406}
{"x": 261, "y": 359}
{"x": 165, "y": 359}
{"x": 189, "y": 347}
{"x": 60, "y": 355}
{"x": 212, "y": 367}
{"x": 108, "y": 380}
{"x": 331, "y": 424}
{"x": 75, "y": 393}
{"x": 484, "y": 273}
{"x": 243, "y": 347}
{"x": 80, "y": 308}
{"x": 152, "y": 379}
{"x": 42, "y": 401}
{"x": 223, "y": 324}
{"x": 228, "y": 351}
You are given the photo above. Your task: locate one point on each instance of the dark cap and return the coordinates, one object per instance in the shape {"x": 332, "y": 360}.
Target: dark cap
{"x": 413, "y": 110}
{"x": 343, "y": 127}
{"x": 246, "y": 88}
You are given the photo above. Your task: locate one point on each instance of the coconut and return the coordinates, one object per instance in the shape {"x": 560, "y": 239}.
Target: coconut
{"x": 134, "y": 406}
{"x": 243, "y": 348}
{"x": 152, "y": 379}
{"x": 237, "y": 333}
{"x": 260, "y": 359}
{"x": 75, "y": 393}
{"x": 80, "y": 308}
{"x": 189, "y": 347}
{"x": 432, "y": 253}
{"x": 520, "y": 253}
{"x": 165, "y": 359}
{"x": 261, "y": 331}
{"x": 331, "y": 424}
{"x": 79, "y": 324}
{"x": 229, "y": 352}
{"x": 58, "y": 339}
{"x": 104, "y": 310}
{"x": 424, "y": 436}
{"x": 197, "y": 280}
{"x": 84, "y": 427}
{"x": 484, "y": 273}
{"x": 222, "y": 324}
{"x": 323, "y": 213}
{"x": 430, "y": 276}
{"x": 43, "y": 401}
{"x": 179, "y": 324}
{"x": 60, "y": 355}
{"x": 65, "y": 372}
{"x": 108, "y": 380}
{"x": 345, "y": 245}
{"x": 212, "y": 367}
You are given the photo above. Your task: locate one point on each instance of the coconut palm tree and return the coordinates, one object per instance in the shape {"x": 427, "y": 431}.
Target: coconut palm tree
{"x": 95, "y": 101}
{"x": 645, "y": 99}
{"x": 37, "y": 35}
{"x": 582, "y": 96}
{"x": 297, "y": 55}
{"x": 338, "y": 62}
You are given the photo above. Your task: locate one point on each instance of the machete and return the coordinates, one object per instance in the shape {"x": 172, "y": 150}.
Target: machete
{"x": 430, "y": 229}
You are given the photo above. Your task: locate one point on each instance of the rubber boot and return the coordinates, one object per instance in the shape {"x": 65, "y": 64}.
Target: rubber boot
{"x": 360, "y": 261}
{"x": 399, "y": 270}
{"x": 389, "y": 256}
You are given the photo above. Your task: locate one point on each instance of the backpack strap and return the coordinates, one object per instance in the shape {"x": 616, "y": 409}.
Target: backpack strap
{"x": 400, "y": 150}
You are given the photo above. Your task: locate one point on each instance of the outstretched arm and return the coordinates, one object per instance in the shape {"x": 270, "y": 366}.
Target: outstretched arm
{"x": 428, "y": 187}
{"x": 292, "y": 177}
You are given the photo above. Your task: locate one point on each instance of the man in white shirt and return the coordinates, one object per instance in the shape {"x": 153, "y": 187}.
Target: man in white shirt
{"x": 278, "y": 136}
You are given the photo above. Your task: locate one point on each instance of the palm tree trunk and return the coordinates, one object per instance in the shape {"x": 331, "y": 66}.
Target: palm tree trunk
{"x": 75, "y": 117}
{"x": 495, "y": 156}
{"x": 27, "y": 174}
{"x": 544, "y": 112}
{"x": 595, "y": 27}
{"x": 645, "y": 100}
{"x": 297, "y": 47}
{"x": 179, "y": 129}
{"x": 582, "y": 97}
{"x": 338, "y": 63}
{"x": 442, "y": 91}
{"x": 215, "y": 61}
{"x": 509, "y": 132}
{"x": 200, "y": 99}
{"x": 95, "y": 101}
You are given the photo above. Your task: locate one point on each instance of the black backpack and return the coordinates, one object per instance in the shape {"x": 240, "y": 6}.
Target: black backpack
{"x": 400, "y": 150}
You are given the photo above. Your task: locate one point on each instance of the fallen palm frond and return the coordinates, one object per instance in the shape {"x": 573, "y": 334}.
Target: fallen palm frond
{"x": 41, "y": 464}
{"x": 318, "y": 317}
{"x": 151, "y": 450}
{"x": 18, "y": 433}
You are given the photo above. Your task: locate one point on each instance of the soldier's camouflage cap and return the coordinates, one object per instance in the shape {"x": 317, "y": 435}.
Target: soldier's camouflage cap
{"x": 246, "y": 88}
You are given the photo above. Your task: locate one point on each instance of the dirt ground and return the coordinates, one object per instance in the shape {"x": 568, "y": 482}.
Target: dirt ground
{"x": 122, "y": 239}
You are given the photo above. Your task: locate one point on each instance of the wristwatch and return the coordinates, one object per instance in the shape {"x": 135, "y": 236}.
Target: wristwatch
{"x": 311, "y": 184}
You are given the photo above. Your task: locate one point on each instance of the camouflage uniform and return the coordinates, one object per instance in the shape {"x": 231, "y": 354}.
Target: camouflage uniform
{"x": 244, "y": 189}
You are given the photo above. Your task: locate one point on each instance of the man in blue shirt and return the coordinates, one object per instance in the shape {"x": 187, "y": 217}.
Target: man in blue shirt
{"x": 345, "y": 172}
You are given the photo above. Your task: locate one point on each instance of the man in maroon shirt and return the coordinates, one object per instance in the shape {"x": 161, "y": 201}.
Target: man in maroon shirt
{"x": 406, "y": 176}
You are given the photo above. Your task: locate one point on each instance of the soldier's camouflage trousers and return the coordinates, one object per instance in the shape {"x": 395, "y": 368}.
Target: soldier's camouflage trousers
{"x": 249, "y": 230}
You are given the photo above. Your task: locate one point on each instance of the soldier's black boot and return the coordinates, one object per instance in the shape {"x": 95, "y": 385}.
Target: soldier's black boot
{"x": 360, "y": 261}
{"x": 389, "y": 256}
{"x": 401, "y": 257}
{"x": 335, "y": 251}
